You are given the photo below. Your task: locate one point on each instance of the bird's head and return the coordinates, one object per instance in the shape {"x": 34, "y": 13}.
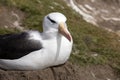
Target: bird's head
{"x": 56, "y": 22}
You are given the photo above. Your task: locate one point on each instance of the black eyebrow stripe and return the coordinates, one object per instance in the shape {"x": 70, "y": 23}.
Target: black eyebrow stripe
{"x": 51, "y": 19}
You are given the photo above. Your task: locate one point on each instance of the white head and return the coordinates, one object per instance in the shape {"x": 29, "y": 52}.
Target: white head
{"x": 56, "y": 22}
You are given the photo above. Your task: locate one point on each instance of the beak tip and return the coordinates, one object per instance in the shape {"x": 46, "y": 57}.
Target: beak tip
{"x": 69, "y": 37}
{"x": 64, "y": 32}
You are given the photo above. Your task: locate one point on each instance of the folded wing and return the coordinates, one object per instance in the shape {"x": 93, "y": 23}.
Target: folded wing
{"x": 14, "y": 46}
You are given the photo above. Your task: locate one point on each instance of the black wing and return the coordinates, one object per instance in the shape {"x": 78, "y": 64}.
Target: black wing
{"x": 14, "y": 46}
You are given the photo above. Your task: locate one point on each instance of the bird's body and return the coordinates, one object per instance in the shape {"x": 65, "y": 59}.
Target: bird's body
{"x": 32, "y": 50}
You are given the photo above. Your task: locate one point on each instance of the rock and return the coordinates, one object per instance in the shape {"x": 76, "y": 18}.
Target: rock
{"x": 102, "y": 13}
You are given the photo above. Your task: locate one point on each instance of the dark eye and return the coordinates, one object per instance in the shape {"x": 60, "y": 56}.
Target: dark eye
{"x": 51, "y": 20}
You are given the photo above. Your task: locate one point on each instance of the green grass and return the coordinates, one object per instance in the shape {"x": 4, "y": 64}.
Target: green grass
{"x": 89, "y": 40}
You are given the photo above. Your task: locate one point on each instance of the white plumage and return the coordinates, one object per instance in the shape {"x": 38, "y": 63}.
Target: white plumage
{"x": 56, "y": 45}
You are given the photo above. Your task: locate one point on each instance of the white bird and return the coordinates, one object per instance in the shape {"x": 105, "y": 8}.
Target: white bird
{"x": 31, "y": 50}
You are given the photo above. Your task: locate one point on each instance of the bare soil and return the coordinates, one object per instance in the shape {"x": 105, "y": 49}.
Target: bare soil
{"x": 64, "y": 72}
{"x": 11, "y": 18}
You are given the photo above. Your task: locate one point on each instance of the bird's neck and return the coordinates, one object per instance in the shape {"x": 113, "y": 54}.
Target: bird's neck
{"x": 51, "y": 34}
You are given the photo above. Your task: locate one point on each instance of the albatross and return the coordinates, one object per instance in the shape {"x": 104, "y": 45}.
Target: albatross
{"x": 32, "y": 50}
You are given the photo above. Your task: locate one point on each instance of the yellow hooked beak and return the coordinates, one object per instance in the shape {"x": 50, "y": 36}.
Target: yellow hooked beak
{"x": 64, "y": 31}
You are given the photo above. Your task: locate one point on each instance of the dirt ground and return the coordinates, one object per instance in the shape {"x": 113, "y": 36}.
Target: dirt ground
{"x": 11, "y": 18}
{"x": 64, "y": 72}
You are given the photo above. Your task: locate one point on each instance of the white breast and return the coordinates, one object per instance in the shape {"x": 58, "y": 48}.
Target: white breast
{"x": 65, "y": 50}
{"x": 53, "y": 53}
